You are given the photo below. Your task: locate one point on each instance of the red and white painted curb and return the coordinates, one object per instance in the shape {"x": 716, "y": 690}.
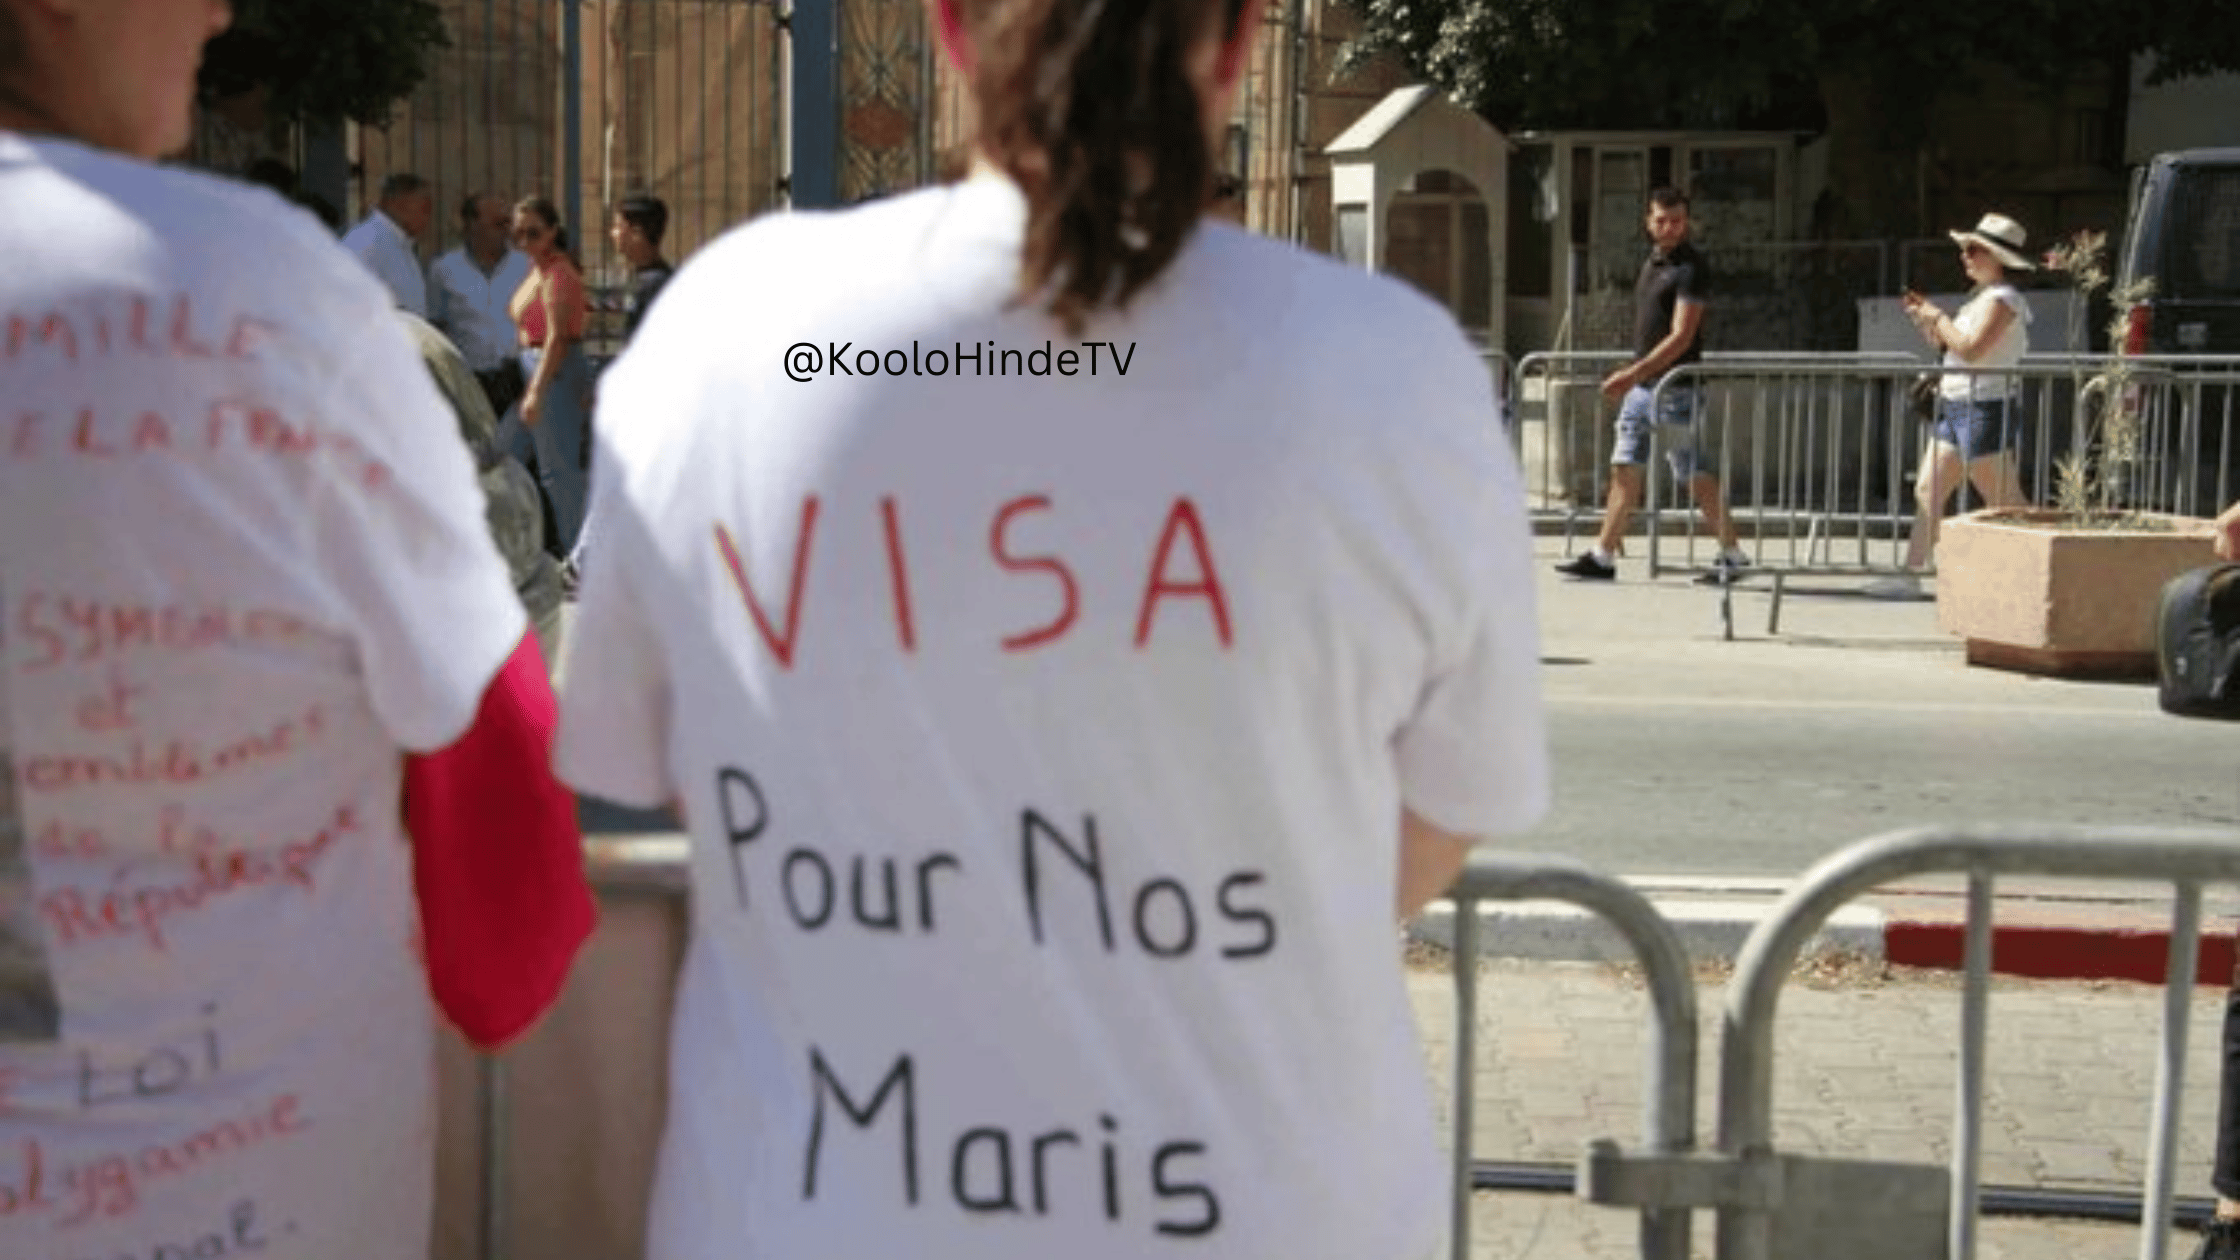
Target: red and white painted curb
{"x": 2072, "y": 938}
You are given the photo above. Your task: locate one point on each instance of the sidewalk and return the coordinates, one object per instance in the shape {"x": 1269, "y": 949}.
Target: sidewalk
{"x": 1865, "y": 1069}
{"x": 1867, "y": 1053}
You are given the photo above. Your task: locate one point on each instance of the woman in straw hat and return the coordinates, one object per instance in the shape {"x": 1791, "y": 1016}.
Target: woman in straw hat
{"x": 1977, "y": 426}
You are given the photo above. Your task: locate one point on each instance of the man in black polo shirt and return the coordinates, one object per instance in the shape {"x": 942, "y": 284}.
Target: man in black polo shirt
{"x": 1668, "y": 306}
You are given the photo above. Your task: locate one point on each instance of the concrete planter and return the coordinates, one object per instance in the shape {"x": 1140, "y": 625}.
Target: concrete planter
{"x": 2029, "y": 592}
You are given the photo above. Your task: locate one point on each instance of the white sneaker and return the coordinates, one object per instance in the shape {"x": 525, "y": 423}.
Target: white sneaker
{"x": 1900, "y": 586}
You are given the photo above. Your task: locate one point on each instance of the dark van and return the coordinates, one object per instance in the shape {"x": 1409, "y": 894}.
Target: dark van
{"x": 2184, "y": 238}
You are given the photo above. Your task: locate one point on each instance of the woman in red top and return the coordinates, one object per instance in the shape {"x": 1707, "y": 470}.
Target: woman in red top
{"x": 550, "y": 309}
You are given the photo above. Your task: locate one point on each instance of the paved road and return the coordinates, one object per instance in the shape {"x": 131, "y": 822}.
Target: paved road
{"x": 1679, "y": 752}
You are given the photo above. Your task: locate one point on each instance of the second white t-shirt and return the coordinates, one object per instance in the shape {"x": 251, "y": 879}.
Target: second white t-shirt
{"x": 1043, "y": 732}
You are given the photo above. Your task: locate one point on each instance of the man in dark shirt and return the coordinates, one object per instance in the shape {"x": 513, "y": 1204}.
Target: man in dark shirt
{"x": 639, "y": 224}
{"x": 1668, "y": 301}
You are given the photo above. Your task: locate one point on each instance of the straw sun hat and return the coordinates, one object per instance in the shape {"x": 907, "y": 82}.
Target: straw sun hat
{"x": 2002, "y": 236}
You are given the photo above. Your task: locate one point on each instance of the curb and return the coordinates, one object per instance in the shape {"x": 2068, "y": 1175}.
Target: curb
{"x": 2039, "y": 935}
{"x": 1708, "y": 930}
{"x": 2061, "y": 953}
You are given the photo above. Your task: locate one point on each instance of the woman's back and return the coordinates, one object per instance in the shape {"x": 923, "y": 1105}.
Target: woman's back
{"x": 1044, "y": 730}
{"x": 242, "y": 567}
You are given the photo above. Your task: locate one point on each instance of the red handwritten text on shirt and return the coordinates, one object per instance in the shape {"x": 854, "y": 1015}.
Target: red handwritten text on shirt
{"x": 63, "y": 629}
{"x": 201, "y": 867}
{"x": 131, "y": 323}
{"x": 109, "y": 1184}
{"x": 1170, "y": 576}
{"x": 177, "y": 760}
{"x": 226, "y": 424}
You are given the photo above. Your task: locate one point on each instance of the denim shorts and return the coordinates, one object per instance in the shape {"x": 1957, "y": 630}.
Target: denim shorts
{"x": 1975, "y": 426}
{"x": 1675, "y": 423}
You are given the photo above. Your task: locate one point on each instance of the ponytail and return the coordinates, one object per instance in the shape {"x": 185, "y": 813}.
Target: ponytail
{"x": 1087, "y": 106}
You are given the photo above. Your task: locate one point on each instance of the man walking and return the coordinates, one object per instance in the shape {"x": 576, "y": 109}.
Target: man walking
{"x": 468, "y": 293}
{"x": 1668, "y": 308}
{"x": 386, "y": 241}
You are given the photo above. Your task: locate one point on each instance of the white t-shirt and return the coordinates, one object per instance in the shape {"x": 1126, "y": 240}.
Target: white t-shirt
{"x": 380, "y": 244}
{"x": 242, "y": 563}
{"x": 2005, "y": 351}
{"x": 1043, "y": 738}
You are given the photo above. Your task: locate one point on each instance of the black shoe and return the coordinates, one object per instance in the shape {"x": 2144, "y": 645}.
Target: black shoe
{"x": 1584, "y": 565}
{"x": 1724, "y": 571}
{"x": 2220, "y": 1240}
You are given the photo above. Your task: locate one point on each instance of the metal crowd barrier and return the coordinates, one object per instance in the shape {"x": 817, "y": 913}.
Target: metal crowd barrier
{"x": 1771, "y": 1204}
{"x": 1562, "y": 427}
{"x": 1816, "y": 459}
{"x": 1669, "y": 1102}
{"x": 1768, "y": 1203}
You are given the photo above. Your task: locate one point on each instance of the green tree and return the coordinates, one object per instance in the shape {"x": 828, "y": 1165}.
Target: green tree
{"x": 325, "y": 61}
{"x": 1869, "y": 68}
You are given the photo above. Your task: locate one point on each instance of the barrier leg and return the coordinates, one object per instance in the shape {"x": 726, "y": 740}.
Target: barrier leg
{"x": 2170, "y": 1068}
{"x": 490, "y": 1082}
{"x": 1773, "y": 610}
{"x": 1465, "y": 963}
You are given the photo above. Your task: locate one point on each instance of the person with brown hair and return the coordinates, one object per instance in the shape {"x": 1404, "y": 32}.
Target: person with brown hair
{"x": 552, "y": 311}
{"x": 1072, "y": 630}
{"x": 276, "y": 740}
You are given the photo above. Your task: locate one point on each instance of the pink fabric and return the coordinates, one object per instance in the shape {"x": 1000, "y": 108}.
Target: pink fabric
{"x": 498, "y": 861}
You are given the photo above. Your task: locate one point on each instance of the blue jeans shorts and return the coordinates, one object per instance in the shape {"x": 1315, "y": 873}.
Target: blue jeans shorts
{"x": 1675, "y": 423}
{"x": 1975, "y": 426}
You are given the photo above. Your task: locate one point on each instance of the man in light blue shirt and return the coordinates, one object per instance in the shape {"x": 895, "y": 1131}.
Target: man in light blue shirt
{"x": 469, "y": 290}
{"x": 385, "y": 241}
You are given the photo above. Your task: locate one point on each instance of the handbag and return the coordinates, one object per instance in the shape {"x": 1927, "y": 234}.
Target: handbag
{"x": 1921, "y": 396}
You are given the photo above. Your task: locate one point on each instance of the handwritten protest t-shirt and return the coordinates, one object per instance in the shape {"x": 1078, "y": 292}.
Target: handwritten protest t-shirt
{"x": 242, "y": 564}
{"x": 1043, "y": 733}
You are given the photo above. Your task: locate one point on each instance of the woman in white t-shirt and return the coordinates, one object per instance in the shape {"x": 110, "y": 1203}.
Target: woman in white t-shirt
{"x": 252, "y": 632}
{"x": 1977, "y": 430}
{"x": 1071, "y": 629}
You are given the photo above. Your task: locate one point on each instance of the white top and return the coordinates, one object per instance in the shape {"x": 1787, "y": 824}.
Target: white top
{"x": 1044, "y": 737}
{"x": 2007, "y": 351}
{"x": 470, "y": 307}
{"x": 242, "y": 563}
{"x": 389, "y": 254}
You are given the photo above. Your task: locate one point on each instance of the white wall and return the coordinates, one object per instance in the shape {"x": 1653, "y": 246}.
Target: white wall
{"x": 1883, "y": 326}
{"x": 2191, "y": 113}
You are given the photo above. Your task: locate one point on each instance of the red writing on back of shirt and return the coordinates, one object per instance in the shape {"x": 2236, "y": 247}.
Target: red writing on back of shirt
{"x": 63, "y": 629}
{"x": 110, "y": 1183}
{"x": 1182, "y": 568}
{"x": 130, "y": 324}
{"x": 200, "y": 867}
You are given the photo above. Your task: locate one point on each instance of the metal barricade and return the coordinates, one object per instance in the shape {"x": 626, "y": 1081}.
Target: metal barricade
{"x": 1562, "y": 424}
{"x": 1669, "y": 1120}
{"x": 1772, "y": 1204}
{"x": 1818, "y": 460}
